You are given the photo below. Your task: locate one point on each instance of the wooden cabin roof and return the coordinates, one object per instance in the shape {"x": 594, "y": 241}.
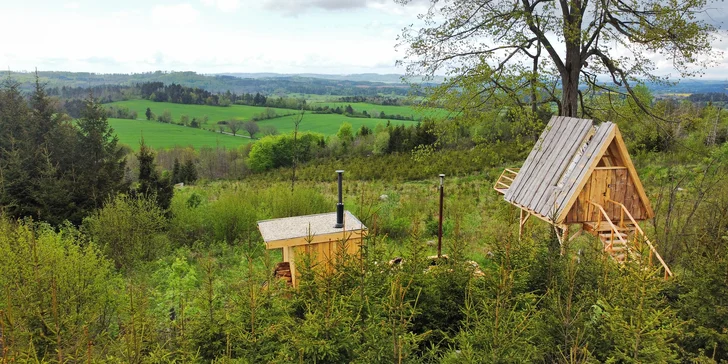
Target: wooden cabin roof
{"x": 560, "y": 164}
{"x": 308, "y": 225}
{"x": 535, "y": 185}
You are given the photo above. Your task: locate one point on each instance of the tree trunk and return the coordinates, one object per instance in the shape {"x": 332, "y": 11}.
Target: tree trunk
{"x": 572, "y": 60}
{"x": 570, "y": 81}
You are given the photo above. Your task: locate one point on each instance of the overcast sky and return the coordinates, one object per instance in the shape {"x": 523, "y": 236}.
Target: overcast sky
{"x": 212, "y": 36}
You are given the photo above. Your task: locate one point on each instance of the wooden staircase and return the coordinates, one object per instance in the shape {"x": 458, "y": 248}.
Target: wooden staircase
{"x": 623, "y": 239}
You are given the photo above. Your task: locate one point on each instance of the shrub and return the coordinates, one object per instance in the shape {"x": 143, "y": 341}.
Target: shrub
{"x": 129, "y": 230}
{"x": 58, "y": 291}
{"x": 278, "y": 150}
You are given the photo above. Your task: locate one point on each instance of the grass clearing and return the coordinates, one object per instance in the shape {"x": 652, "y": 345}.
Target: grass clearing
{"x": 374, "y": 109}
{"x": 214, "y": 113}
{"x": 327, "y": 124}
{"x": 161, "y": 135}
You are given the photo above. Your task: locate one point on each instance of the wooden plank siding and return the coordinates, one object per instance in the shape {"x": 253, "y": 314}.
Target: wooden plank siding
{"x": 323, "y": 256}
{"x": 605, "y": 184}
{"x": 553, "y": 168}
{"x": 527, "y": 172}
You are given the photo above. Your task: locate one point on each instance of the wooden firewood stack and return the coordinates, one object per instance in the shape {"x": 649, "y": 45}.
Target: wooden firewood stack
{"x": 283, "y": 271}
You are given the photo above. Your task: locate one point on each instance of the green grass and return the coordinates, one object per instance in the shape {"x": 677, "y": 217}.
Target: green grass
{"x": 214, "y": 113}
{"x": 327, "y": 124}
{"x": 160, "y": 135}
{"x": 374, "y": 109}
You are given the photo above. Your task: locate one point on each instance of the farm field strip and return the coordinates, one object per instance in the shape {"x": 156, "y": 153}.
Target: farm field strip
{"x": 214, "y": 113}
{"x": 161, "y": 135}
{"x": 374, "y": 109}
{"x": 327, "y": 124}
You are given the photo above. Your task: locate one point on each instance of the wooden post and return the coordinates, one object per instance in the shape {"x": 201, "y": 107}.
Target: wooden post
{"x": 439, "y": 228}
{"x": 522, "y": 223}
{"x": 564, "y": 239}
{"x": 520, "y": 226}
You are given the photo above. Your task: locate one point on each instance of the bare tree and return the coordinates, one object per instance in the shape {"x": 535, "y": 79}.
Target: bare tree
{"x": 234, "y": 126}
{"x": 251, "y": 127}
{"x": 269, "y": 130}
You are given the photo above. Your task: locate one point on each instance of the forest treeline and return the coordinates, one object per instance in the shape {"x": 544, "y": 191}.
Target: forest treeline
{"x": 104, "y": 261}
{"x": 54, "y": 168}
{"x": 213, "y": 83}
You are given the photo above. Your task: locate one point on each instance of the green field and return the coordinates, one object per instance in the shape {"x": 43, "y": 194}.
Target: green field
{"x": 327, "y": 124}
{"x": 374, "y": 109}
{"x": 214, "y": 113}
{"x": 160, "y": 135}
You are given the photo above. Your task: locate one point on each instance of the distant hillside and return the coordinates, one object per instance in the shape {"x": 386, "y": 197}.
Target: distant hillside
{"x": 690, "y": 86}
{"x": 364, "y": 84}
{"x": 278, "y": 85}
{"x": 357, "y": 77}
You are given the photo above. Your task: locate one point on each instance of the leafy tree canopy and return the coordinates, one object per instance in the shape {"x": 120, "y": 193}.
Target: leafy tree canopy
{"x": 518, "y": 47}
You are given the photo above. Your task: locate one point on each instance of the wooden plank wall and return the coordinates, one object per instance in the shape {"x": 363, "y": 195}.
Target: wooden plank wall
{"x": 324, "y": 255}
{"x": 604, "y": 184}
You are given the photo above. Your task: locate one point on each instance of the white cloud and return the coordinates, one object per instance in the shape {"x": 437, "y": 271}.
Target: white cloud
{"x": 72, "y": 5}
{"x": 223, "y": 5}
{"x": 289, "y": 7}
{"x": 177, "y": 14}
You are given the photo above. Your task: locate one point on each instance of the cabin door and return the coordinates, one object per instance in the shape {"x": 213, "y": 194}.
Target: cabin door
{"x": 604, "y": 184}
{"x": 600, "y": 191}
{"x": 609, "y": 184}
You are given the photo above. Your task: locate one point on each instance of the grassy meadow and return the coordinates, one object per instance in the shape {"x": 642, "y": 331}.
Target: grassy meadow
{"x": 327, "y": 124}
{"x": 161, "y": 135}
{"x": 214, "y": 113}
{"x": 374, "y": 109}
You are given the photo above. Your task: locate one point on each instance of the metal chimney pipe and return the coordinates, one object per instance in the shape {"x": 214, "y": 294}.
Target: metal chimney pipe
{"x": 340, "y": 205}
{"x": 439, "y": 228}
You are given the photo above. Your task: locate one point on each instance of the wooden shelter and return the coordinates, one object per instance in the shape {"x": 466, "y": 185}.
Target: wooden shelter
{"x": 315, "y": 236}
{"x": 579, "y": 173}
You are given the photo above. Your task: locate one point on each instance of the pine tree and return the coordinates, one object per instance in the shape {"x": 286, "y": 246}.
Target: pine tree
{"x": 150, "y": 182}
{"x": 16, "y": 169}
{"x": 189, "y": 172}
{"x": 176, "y": 172}
{"x": 100, "y": 160}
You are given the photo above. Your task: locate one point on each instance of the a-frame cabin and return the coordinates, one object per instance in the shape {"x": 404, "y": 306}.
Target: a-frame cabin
{"x": 579, "y": 173}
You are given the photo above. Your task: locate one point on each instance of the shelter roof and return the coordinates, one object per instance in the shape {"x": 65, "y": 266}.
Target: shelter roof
{"x": 308, "y": 225}
{"x": 566, "y": 152}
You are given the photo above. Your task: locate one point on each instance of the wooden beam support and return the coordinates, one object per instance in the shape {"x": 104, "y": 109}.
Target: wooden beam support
{"x": 522, "y": 222}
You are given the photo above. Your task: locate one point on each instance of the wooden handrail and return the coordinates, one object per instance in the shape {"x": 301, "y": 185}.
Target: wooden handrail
{"x": 506, "y": 179}
{"x": 614, "y": 228}
{"x": 668, "y": 272}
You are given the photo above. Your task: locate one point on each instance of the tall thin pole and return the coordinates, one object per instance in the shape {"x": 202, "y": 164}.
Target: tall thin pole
{"x": 340, "y": 205}
{"x": 439, "y": 228}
